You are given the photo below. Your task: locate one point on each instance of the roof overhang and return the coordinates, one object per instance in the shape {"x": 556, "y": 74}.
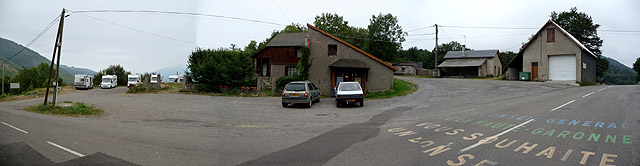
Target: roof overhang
{"x": 463, "y": 62}
{"x": 349, "y": 63}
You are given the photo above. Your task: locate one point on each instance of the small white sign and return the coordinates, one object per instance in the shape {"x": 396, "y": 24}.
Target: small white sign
{"x": 14, "y": 85}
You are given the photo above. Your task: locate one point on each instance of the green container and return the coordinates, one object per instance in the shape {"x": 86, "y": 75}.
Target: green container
{"x": 525, "y": 76}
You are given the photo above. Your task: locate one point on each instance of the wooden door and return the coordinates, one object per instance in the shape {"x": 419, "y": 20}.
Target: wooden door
{"x": 534, "y": 70}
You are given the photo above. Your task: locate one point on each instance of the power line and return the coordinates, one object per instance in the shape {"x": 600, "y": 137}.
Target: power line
{"x": 37, "y": 37}
{"x": 420, "y": 28}
{"x": 445, "y": 33}
{"x": 285, "y": 16}
{"x": 141, "y": 31}
{"x": 421, "y": 36}
{"x": 480, "y": 27}
{"x": 175, "y": 13}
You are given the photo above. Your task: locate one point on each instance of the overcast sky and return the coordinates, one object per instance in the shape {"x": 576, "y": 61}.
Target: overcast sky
{"x": 95, "y": 44}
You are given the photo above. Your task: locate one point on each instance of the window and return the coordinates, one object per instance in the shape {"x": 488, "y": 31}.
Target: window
{"x": 333, "y": 50}
{"x": 294, "y": 87}
{"x": 291, "y": 71}
{"x": 584, "y": 66}
{"x": 298, "y": 53}
{"x": 551, "y": 35}
{"x": 265, "y": 67}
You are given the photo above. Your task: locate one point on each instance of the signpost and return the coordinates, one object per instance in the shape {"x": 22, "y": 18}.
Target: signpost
{"x": 14, "y": 86}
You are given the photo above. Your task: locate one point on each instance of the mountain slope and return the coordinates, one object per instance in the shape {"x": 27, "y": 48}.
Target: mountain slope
{"x": 619, "y": 74}
{"x": 29, "y": 58}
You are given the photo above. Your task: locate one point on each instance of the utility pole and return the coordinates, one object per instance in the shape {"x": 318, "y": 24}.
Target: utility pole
{"x": 3, "y": 77}
{"x": 435, "y": 65}
{"x": 57, "y": 48}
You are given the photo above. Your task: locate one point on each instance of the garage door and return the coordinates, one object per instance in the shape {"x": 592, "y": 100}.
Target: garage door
{"x": 562, "y": 67}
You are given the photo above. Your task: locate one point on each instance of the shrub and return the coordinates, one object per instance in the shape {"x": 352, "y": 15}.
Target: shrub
{"x": 210, "y": 68}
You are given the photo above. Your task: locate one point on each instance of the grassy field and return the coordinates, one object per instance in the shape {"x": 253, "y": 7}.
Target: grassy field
{"x": 66, "y": 108}
{"x": 400, "y": 88}
{"x": 176, "y": 88}
{"x": 35, "y": 93}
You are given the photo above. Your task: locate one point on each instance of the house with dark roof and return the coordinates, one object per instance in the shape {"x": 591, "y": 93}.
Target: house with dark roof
{"x": 408, "y": 68}
{"x": 332, "y": 61}
{"x": 471, "y": 63}
{"x": 552, "y": 54}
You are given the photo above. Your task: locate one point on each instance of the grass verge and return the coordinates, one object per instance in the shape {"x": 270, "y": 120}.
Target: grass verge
{"x": 74, "y": 109}
{"x": 400, "y": 88}
{"x": 34, "y": 93}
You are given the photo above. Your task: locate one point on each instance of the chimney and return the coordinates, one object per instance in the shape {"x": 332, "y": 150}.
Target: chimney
{"x": 463, "y": 50}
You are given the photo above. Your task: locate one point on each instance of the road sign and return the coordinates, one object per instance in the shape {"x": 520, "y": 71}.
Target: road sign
{"x": 14, "y": 85}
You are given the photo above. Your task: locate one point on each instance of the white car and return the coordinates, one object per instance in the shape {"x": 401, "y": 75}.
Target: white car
{"x": 349, "y": 92}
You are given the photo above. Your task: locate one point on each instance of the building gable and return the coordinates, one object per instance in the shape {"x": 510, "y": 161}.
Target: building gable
{"x": 352, "y": 47}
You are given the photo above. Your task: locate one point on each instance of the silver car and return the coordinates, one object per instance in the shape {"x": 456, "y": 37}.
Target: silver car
{"x": 300, "y": 92}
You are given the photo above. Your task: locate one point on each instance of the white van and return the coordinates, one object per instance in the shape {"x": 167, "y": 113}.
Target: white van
{"x": 176, "y": 78}
{"x": 109, "y": 81}
{"x": 83, "y": 81}
{"x": 133, "y": 80}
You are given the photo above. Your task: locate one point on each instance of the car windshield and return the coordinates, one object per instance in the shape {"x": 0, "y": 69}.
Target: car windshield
{"x": 106, "y": 80}
{"x": 294, "y": 87}
{"x": 349, "y": 87}
{"x": 154, "y": 79}
{"x": 133, "y": 79}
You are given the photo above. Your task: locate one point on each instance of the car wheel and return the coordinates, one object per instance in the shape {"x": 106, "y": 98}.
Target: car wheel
{"x": 361, "y": 103}
{"x": 338, "y": 104}
{"x": 310, "y": 102}
{"x": 284, "y": 104}
{"x": 318, "y": 99}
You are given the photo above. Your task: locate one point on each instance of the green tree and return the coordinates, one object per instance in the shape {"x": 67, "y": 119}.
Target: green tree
{"x": 335, "y": 24}
{"x": 210, "y": 68}
{"x": 112, "y": 70}
{"x": 636, "y": 67}
{"x": 252, "y": 47}
{"x": 506, "y": 57}
{"x": 34, "y": 77}
{"x": 581, "y": 26}
{"x": 385, "y": 36}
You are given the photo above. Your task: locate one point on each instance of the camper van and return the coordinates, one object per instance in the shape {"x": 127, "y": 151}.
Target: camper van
{"x": 109, "y": 81}
{"x": 155, "y": 79}
{"x": 83, "y": 81}
{"x": 175, "y": 78}
{"x": 133, "y": 80}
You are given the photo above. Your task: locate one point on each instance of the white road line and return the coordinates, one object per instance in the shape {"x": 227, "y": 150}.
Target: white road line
{"x": 565, "y": 104}
{"x": 482, "y": 141}
{"x": 65, "y": 149}
{"x": 588, "y": 94}
{"x": 602, "y": 89}
{"x": 15, "y": 127}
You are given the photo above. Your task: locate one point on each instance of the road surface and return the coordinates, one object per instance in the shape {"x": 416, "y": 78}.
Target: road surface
{"x": 446, "y": 122}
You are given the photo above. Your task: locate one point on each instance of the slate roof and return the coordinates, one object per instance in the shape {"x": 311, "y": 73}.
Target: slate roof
{"x": 472, "y": 54}
{"x": 349, "y": 63}
{"x": 287, "y": 39}
{"x": 471, "y": 62}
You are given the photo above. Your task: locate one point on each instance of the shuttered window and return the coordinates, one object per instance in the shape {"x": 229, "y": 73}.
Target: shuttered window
{"x": 551, "y": 35}
{"x": 333, "y": 50}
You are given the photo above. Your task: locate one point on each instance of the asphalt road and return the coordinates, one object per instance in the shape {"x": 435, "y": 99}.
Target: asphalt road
{"x": 446, "y": 122}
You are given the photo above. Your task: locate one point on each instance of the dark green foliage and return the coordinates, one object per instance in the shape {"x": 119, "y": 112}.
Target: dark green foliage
{"x": 284, "y": 80}
{"x": 506, "y": 57}
{"x": 35, "y": 77}
{"x": 636, "y": 67}
{"x": 414, "y": 54}
{"x": 112, "y": 70}
{"x": 304, "y": 64}
{"x": 581, "y": 26}
{"x": 140, "y": 88}
{"x": 335, "y": 24}
{"x": 385, "y": 37}
{"x": 210, "y": 68}
{"x": 619, "y": 74}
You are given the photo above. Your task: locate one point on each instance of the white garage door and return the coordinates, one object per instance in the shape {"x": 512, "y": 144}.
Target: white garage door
{"x": 562, "y": 67}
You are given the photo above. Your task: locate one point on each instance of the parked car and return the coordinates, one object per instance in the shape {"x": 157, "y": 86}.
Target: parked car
{"x": 300, "y": 92}
{"x": 349, "y": 92}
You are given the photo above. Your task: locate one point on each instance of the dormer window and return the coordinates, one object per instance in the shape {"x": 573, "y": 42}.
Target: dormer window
{"x": 551, "y": 35}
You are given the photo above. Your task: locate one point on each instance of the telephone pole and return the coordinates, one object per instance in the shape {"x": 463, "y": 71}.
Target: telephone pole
{"x": 57, "y": 48}
{"x": 435, "y": 65}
